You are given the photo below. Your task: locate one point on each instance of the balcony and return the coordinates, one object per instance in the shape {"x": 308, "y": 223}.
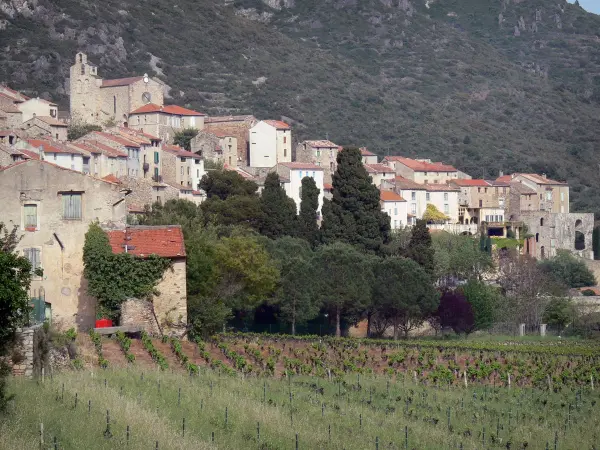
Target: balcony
{"x": 455, "y": 228}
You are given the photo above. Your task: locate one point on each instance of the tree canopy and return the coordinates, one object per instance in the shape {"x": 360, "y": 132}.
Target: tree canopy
{"x": 184, "y": 137}
{"x": 308, "y": 228}
{"x": 420, "y": 247}
{"x": 278, "y": 210}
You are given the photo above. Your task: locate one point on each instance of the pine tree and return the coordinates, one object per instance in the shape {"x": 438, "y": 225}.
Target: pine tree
{"x": 307, "y": 220}
{"x": 420, "y": 247}
{"x": 355, "y": 215}
{"x": 279, "y": 211}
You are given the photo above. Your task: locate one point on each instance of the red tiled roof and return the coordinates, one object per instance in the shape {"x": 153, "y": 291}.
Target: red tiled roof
{"x": 51, "y": 121}
{"x": 435, "y": 187}
{"x": 136, "y": 209}
{"x": 111, "y": 179}
{"x": 220, "y": 133}
{"x": 176, "y": 150}
{"x": 505, "y": 178}
{"x": 390, "y": 196}
{"x": 94, "y": 146}
{"x": 301, "y": 165}
{"x": 52, "y": 147}
{"x": 169, "y": 109}
{"x": 467, "y": 183}
{"x": 219, "y": 119}
{"x": 120, "y": 82}
{"x": 365, "y": 152}
{"x": 422, "y": 166}
{"x": 165, "y": 241}
{"x": 405, "y": 183}
{"x": 327, "y": 186}
{"x": 137, "y": 135}
{"x": 322, "y": 143}
{"x": 30, "y": 154}
{"x": 379, "y": 168}
{"x": 540, "y": 179}
{"x": 118, "y": 139}
{"x": 280, "y": 125}
{"x": 11, "y": 93}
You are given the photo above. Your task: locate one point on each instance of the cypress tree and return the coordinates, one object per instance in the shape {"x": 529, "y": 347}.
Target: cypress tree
{"x": 307, "y": 220}
{"x": 354, "y": 214}
{"x": 420, "y": 247}
{"x": 279, "y": 211}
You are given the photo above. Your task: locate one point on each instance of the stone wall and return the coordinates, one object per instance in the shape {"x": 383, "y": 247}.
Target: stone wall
{"x": 145, "y": 191}
{"x": 26, "y": 356}
{"x": 139, "y": 312}
{"x": 170, "y": 305}
{"x": 235, "y": 126}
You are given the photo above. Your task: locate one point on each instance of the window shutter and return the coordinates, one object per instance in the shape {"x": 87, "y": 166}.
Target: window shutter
{"x": 72, "y": 206}
{"x": 36, "y": 263}
{"x": 30, "y": 215}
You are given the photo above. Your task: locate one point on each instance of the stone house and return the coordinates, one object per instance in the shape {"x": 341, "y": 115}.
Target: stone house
{"x": 553, "y": 195}
{"x": 146, "y": 191}
{"x": 395, "y": 207}
{"x": 165, "y": 121}
{"x": 270, "y": 143}
{"x": 322, "y": 153}
{"x": 481, "y": 199}
{"x": 53, "y": 206}
{"x": 97, "y": 101}
{"x": 181, "y": 168}
{"x": 102, "y": 160}
{"x": 445, "y": 198}
{"x": 38, "y": 107}
{"x": 10, "y": 117}
{"x": 379, "y": 173}
{"x": 56, "y": 153}
{"x": 170, "y": 305}
{"x": 235, "y": 126}
{"x": 216, "y": 146}
{"x": 422, "y": 171}
{"x": 367, "y": 156}
{"x": 521, "y": 199}
{"x": 291, "y": 175}
{"x": 12, "y": 137}
{"x": 45, "y": 126}
{"x": 10, "y": 155}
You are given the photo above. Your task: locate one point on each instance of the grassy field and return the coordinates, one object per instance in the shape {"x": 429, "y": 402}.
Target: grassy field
{"x": 358, "y": 411}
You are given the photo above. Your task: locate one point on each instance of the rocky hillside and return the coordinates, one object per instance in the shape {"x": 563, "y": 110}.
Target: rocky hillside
{"x": 488, "y": 85}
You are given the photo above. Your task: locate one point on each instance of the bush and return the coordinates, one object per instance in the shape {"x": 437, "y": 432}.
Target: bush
{"x": 568, "y": 270}
{"x": 588, "y": 293}
{"x": 456, "y": 312}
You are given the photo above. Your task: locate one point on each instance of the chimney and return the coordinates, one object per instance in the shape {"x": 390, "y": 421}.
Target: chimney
{"x": 500, "y": 173}
{"x": 544, "y": 175}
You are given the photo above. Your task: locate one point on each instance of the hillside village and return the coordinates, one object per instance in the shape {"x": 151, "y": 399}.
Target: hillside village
{"x": 53, "y": 187}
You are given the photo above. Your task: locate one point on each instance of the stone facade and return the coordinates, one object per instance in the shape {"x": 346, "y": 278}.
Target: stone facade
{"x": 28, "y": 351}
{"x": 97, "y": 101}
{"x": 320, "y": 153}
{"x": 141, "y": 313}
{"x": 145, "y": 191}
{"x": 57, "y": 205}
{"x": 216, "y": 147}
{"x": 235, "y": 126}
{"x": 170, "y": 305}
{"x": 45, "y": 126}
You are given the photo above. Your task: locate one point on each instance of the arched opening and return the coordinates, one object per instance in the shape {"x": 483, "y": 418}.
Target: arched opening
{"x": 542, "y": 222}
{"x": 80, "y": 57}
{"x": 537, "y": 237}
{"x": 579, "y": 240}
{"x": 543, "y": 252}
{"x": 578, "y": 224}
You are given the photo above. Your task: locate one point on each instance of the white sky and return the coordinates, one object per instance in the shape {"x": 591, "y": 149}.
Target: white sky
{"x": 592, "y": 6}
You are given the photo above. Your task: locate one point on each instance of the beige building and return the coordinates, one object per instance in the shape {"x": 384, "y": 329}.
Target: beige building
{"x": 102, "y": 159}
{"x": 56, "y": 153}
{"x": 413, "y": 193}
{"x": 396, "y": 207}
{"x": 236, "y": 126}
{"x": 445, "y": 198}
{"x": 291, "y": 175}
{"x": 367, "y": 156}
{"x": 479, "y": 199}
{"x": 553, "y": 195}
{"x": 45, "y": 126}
{"x": 38, "y": 107}
{"x": 380, "y": 173}
{"x": 181, "y": 168}
{"x": 53, "y": 207}
{"x": 165, "y": 121}
{"x": 422, "y": 171}
{"x": 217, "y": 146}
{"x": 97, "y": 101}
{"x": 270, "y": 143}
{"x": 321, "y": 153}
{"x": 170, "y": 304}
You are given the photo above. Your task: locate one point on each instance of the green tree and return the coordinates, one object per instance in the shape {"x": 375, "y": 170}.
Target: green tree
{"x": 184, "y": 137}
{"x": 568, "y": 270}
{"x": 559, "y": 312}
{"x": 420, "y": 248}
{"x": 344, "y": 281}
{"x": 279, "y": 213}
{"x": 485, "y": 301}
{"x": 434, "y": 215}
{"x": 242, "y": 210}
{"x": 355, "y": 213}
{"x": 78, "y": 129}
{"x": 8, "y": 239}
{"x": 307, "y": 219}
{"x": 403, "y": 293}
{"x": 226, "y": 183}
{"x": 173, "y": 212}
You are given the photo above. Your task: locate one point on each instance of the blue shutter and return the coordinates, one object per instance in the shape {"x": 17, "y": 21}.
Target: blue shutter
{"x": 71, "y": 206}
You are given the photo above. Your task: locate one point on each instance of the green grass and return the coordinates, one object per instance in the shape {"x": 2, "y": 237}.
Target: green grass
{"x": 360, "y": 410}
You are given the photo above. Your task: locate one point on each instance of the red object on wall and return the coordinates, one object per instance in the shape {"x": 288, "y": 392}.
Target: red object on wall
{"x": 104, "y": 323}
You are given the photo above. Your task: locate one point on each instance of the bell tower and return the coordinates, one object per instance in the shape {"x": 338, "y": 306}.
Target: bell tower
{"x": 84, "y": 90}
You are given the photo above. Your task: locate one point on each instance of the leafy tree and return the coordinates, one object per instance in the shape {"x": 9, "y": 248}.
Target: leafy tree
{"x": 243, "y": 210}
{"x": 568, "y": 270}
{"x": 307, "y": 219}
{"x": 420, "y": 248}
{"x": 434, "y": 215}
{"x": 484, "y": 300}
{"x": 355, "y": 213}
{"x": 180, "y": 212}
{"x": 78, "y": 129}
{"x": 226, "y": 183}
{"x": 278, "y": 210}
{"x": 403, "y": 293}
{"x": 344, "y": 282}
{"x": 458, "y": 258}
{"x": 456, "y": 312}
{"x": 8, "y": 239}
{"x": 184, "y": 137}
{"x": 559, "y": 312}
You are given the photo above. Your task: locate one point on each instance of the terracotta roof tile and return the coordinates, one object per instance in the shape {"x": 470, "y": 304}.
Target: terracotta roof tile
{"x": 421, "y": 166}
{"x": 52, "y": 147}
{"x": 117, "y": 139}
{"x": 379, "y": 168}
{"x": 169, "y": 109}
{"x": 434, "y": 187}
{"x": 165, "y": 241}
{"x": 540, "y": 179}
{"x": 279, "y": 124}
{"x": 322, "y": 143}
{"x": 405, "y": 183}
{"x": 390, "y": 196}
{"x": 365, "y": 152}
{"x": 505, "y": 178}
{"x": 51, "y": 121}
{"x": 467, "y": 183}
{"x": 94, "y": 146}
{"x": 327, "y": 186}
{"x": 120, "y": 82}
{"x": 111, "y": 179}
{"x": 176, "y": 150}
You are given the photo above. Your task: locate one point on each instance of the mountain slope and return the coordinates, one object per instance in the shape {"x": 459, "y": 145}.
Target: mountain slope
{"x": 488, "y": 85}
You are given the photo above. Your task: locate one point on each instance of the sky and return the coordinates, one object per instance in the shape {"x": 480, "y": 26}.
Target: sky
{"x": 592, "y": 6}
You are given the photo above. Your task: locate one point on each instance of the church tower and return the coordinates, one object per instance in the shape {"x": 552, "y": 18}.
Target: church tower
{"x": 84, "y": 87}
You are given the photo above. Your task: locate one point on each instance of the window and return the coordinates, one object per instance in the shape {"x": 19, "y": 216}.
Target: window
{"x": 445, "y": 196}
{"x": 155, "y": 157}
{"x": 114, "y": 104}
{"x": 285, "y": 139}
{"x": 313, "y": 175}
{"x": 425, "y": 173}
{"x": 413, "y": 195}
{"x": 479, "y": 189}
{"x": 562, "y": 196}
{"x": 446, "y": 208}
{"x": 395, "y": 224}
{"x": 198, "y": 173}
{"x": 318, "y": 153}
{"x": 425, "y": 182}
{"x": 285, "y": 153}
{"x": 156, "y": 173}
{"x": 395, "y": 211}
{"x": 71, "y": 206}
{"x": 300, "y": 173}
{"x": 82, "y": 69}
{"x": 549, "y": 195}
{"x": 413, "y": 208}
{"x": 427, "y": 196}
{"x": 54, "y": 156}
{"x": 30, "y": 216}
{"x": 33, "y": 255}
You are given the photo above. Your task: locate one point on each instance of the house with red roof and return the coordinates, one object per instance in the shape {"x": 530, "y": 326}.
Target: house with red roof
{"x": 97, "y": 101}
{"x": 181, "y": 168}
{"x": 164, "y": 120}
{"x": 170, "y": 303}
{"x": 52, "y": 207}
{"x": 57, "y": 153}
{"x": 380, "y": 173}
{"x": 394, "y": 206}
{"x": 270, "y": 143}
{"x": 422, "y": 171}
{"x": 321, "y": 152}
{"x": 367, "y": 156}
{"x": 220, "y": 146}
{"x": 291, "y": 175}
